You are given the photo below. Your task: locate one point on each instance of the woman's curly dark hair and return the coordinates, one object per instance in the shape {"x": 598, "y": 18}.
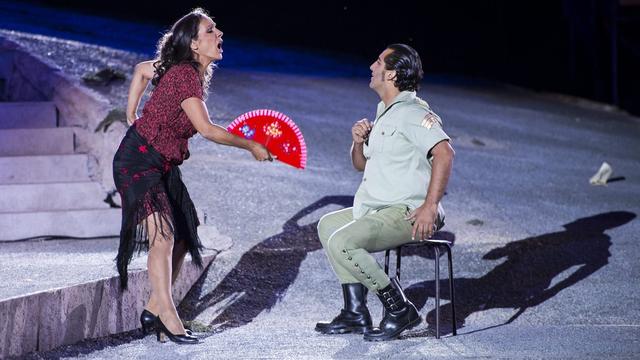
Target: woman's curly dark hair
{"x": 175, "y": 47}
{"x": 407, "y": 64}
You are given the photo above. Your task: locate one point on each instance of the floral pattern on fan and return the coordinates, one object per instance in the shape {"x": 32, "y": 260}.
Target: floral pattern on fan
{"x": 247, "y": 131}
{"x": 276, "y": 131}
{"x": 273, "y": 130}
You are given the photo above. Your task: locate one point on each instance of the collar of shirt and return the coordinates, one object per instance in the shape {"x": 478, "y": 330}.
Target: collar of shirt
{"x": 401, "y": 97}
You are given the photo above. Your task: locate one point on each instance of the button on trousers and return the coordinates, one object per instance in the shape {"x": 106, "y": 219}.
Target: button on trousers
{"x": 349, "y": 243}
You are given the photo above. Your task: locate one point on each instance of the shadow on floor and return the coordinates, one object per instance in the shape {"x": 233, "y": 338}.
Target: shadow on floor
{"x": 263, "y": 274}
{"x": 525, "y": 278}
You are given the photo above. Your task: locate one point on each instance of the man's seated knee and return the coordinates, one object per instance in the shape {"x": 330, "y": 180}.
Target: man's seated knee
{"x": 340, "y": 243}
{"x": 324, "y": 230}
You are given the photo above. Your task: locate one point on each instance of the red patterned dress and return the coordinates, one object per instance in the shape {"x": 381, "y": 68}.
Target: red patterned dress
{"x": 145, "y": 169}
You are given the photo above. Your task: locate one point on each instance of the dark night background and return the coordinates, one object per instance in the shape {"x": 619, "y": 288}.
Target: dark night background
{"x": 588, "y": 48}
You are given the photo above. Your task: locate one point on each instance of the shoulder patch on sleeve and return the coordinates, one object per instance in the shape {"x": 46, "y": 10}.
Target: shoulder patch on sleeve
{"x": 429, "y": 120}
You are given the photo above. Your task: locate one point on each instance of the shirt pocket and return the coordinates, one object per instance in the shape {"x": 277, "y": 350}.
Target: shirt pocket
{"x": 385, "y": 138}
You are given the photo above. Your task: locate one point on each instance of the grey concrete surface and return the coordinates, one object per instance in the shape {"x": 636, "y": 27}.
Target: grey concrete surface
{"x": 39, "y": 265}
{"x": 28, "y": 265}
{"x": 59, "y": 292}
{"x": 545, "y": 264}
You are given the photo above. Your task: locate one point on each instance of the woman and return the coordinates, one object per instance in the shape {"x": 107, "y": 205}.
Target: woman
{"x": 157, "y": 212}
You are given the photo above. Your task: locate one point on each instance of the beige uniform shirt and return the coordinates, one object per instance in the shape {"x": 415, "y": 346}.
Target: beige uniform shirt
{"x": 398, "y": 170}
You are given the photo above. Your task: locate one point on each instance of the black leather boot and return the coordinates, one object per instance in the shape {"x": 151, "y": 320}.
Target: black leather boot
{"x": 400, "y": 314}
{"x": 354, "y": 317}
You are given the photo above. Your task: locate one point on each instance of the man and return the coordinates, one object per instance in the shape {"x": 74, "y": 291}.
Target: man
{"x": 406, "y": 158}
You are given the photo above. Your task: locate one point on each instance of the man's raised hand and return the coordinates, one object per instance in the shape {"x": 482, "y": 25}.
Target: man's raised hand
{"x": 360, "y": 131}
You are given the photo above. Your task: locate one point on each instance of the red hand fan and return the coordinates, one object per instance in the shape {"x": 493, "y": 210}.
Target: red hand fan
{"x": 279, "y": 134}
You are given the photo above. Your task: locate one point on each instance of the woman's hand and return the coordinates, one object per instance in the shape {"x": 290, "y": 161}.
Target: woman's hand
{"x": 131, "y": 118}
{"x": 198, "y": 114}
{"x": 142, "y": 73}
{"x": 260, "y": 152}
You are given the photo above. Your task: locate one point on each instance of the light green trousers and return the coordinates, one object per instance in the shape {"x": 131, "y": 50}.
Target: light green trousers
{"x": 349, "y": 243}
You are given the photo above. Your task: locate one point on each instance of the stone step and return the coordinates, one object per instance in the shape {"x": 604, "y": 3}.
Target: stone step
{"x": 51, "y": 197}
{"x": 28, "y": 115}
{"x": 69, "y": 223}
{"x": 21, "y": 142}
{"x": 44, "y": 169}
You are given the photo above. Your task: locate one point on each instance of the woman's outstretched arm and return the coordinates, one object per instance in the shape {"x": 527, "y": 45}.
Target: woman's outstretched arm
{"x": 142, "y": 74}
{"x": 199, "y": 116}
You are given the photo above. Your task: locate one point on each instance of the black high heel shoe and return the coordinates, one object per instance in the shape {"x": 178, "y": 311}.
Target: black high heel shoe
{"x": 148, "y": 322}
{"x": 179, "y": 339}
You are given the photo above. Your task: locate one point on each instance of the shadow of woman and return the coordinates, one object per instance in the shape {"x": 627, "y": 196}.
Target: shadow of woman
{"x": 263, "y": 274}
{"x": 525, "y": 278}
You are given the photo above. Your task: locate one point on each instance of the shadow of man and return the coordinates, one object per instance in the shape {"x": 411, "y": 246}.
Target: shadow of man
{"x": 264, "y": 272}
{"x": 525, "y": 278}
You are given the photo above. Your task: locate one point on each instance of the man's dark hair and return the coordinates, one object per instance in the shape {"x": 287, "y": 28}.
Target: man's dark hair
{"x": 407, "y": 64}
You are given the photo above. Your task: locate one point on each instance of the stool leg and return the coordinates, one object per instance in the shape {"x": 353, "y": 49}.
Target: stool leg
{"x": 452, "y": 291}
{"x": 437, "y": 251}
{"x": 386, "y": 261}
{"x": 386, "y": 271}
{"x": 398, "y": 256}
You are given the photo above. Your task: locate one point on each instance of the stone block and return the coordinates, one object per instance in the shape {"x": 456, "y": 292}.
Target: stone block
{"x": 46, "y": 320}
{"x": 28, "y": 115}
{"x": 70, "y": 223}
{"x": 51, "y": 197}
{"x": 44, "y": 169}
{"x": 24, "y": 142}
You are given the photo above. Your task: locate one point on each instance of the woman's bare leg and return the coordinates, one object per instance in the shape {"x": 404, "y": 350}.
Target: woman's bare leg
{"x": 159, "y": 265}
{"x": 179, "y": 252}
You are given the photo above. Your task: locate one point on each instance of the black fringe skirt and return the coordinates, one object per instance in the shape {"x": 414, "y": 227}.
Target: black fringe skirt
{"x": 151, "y": 190}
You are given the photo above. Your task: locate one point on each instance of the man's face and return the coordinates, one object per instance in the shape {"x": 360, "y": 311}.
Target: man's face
{"x": 379, "y": 75}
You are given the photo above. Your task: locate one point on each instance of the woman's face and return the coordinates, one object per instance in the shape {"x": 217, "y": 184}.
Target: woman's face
{"x": 208, "y": 46}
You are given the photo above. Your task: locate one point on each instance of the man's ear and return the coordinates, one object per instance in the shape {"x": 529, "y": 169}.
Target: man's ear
{"x": 390, "y": 75}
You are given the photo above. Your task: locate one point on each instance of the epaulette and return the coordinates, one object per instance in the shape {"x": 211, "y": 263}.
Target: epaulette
{"x": 430, "y": 119}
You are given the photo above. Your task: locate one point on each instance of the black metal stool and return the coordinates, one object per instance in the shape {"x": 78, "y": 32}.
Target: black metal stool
{"x": 435, "y": 244}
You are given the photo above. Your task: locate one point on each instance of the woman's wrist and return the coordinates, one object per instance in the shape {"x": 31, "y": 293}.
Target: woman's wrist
{"x": 250, "y": 144}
